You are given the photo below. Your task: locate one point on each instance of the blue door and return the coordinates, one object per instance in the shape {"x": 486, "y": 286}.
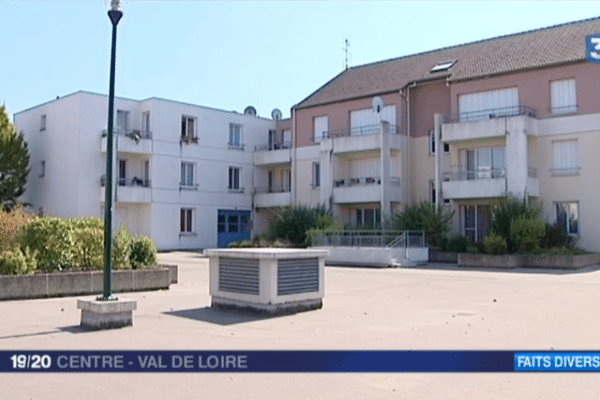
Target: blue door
{"x": 233, "y": 225}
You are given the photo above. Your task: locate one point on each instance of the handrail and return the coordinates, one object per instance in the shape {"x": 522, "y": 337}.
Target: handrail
{"x": 491, "y": 113}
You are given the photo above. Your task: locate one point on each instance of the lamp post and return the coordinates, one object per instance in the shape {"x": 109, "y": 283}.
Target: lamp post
{"x": 115, "y": 15}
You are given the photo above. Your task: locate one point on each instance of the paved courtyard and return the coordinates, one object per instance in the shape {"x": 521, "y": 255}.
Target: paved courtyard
{"x": 433, "y": 307}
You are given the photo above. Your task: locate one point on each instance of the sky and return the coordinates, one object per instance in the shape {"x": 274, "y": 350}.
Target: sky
{"x": 230, "y": 55}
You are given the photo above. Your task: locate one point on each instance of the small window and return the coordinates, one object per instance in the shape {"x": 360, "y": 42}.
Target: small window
{"x": 42, "y": 168}
{"x": 187, "y": 175}
{"x": 316, "y": 174}
{"x": 234, "y": 178}
{"x": 186, "y": 220}
{"x": 43, "y": 122}
{"x": 320, "y": 128}
{"x": 432, "y": 192}
{"x": 443, "y": 66}
{"x": 221, "y": 227}
{"x": 563, "y": 98}
{"x": 146, "y": 124}
{"x": 188, "y": 129}
{"x": 235, "y": 136}
{"x": 565, "y": 158}
{"x": 433, "y": 141}
{"x": 567, "y": 216}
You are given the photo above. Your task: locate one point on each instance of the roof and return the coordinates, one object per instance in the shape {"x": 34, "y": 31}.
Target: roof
{"x": 554, "y": 45}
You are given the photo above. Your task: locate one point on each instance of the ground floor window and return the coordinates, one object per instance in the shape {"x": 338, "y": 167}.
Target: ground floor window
{"x": 186, "y": 220}
{"x": 567, "y": 215}
{"x": 367, "y": 217}
{"x": 476, "y": 221}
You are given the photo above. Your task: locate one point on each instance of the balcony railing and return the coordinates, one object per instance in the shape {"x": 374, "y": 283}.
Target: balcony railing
{"x": 189, "y": 139}
{"x": 368, "y": 238}
{"x": 272, "y": 189}
{"x": 273, "y": 146}
{"x": 491, "y": 113}
{"x": 467, "y": 175}
{"x": 364, "y": 181}
{"x": 134, "y": 182}
{"x": 132, "y": 134}
{"x": 363, "y": 130}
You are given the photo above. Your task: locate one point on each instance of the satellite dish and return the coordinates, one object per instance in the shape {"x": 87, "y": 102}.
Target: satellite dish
{"x": 250, "y": 111}
{"x": 377, "y": 104}
{"x": 276, "y": 114}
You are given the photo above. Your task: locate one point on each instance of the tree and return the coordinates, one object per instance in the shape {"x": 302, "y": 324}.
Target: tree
{"x": 424, "y": 217}
{"x": 14, "y": 163}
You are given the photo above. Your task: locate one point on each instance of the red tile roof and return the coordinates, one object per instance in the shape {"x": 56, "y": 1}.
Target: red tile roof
{"x": 540, "y": 48}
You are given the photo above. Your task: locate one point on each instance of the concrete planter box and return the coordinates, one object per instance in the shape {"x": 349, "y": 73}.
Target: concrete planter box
{"x": 88, "y": 282}
{"x": 527, "y": 261}
{"x": 439, "y": 256}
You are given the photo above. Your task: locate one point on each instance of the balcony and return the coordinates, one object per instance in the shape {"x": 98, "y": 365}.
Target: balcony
{"x": 490, "y": 123}
{"x": 273, "y": 154}
{"x": 482, "y": 183}
{"x": 363, "y": 190}
{"x": 362, "y": 138}
{"x": 135, "y": 190}
{"x": 134, "y": 142}
{"x": 265, "y": 197}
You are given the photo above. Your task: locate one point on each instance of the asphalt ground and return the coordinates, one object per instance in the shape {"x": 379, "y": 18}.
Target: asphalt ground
{"x": 434, "y": 307}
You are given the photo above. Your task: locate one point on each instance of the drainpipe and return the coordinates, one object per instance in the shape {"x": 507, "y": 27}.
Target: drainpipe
{"x": 293, "y": 156}
{"x": 408, "y": 169}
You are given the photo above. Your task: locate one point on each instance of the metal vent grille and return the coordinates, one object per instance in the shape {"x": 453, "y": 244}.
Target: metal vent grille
{"x": 238, "y": 275}
{"x": 297, "y": 275}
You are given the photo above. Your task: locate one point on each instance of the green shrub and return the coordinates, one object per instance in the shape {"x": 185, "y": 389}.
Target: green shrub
{"x": 143, "y": 252}
{"x": 121, "y": 248}
{"x": 293, "y": 224}
{"x": 458, "y": 244}
{"x": 424, "y": 217}
{"x": 14, "y": 262}
{"x": 10, "y": 223}
{"x": 495, "y": 244}
{"x": 526, "y": 232}
{"x": 505, "y": 211}
{"x": 88, "y": 234}
{"x": 53, "y": 241}
{"x": 556, "y": 236}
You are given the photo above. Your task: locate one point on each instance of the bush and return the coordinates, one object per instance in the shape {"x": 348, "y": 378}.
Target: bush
{"x": 10, "y": 223}
{"x": 526, "y": 231}
{"x": 458, "y": 244}
{"x": 88, "y": 234}
{"x": 507, "y": 210}
{"x": 17, "y": 262}
{"x": 293, "y": 224}
{"x": 495, "y": 244}
{"x": 121, "y": 248}
{"x": 53, "y": 241}
{"x": 556, "y": 236}
{"x": 143, "y": 252}
{"x": 424, "y": 217}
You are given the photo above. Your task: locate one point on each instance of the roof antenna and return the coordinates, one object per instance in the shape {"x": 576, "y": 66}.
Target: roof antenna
{"x": 346, "y": 45}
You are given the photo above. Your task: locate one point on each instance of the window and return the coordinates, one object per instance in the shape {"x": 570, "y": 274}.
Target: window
{"x": 476, "y": 221}
{"x": 316, "y": 174}
{"x": 122, "y": 122}
{"x": 42, "y": 168}
{"x": 287, "y": 138}
{"x": 367, "y": 217}
{"x": 122, "y": 172}
{"x": 567, "y": 215}
{"x": 43, "y": 122}
{"x": 443, "y": 66}
{"x": 187, "y": 175}
{"x": 432, "y": 143}
{"x": 320, "y": 129}
{"x": 146, "y": 124}
{"x": 186, "y": 220}
{"x": 234, "y": 178}
{"x": 563, "y": 99}
{"x": 367, "y": 122}
{"x": 188, "y": 133}
{"x": 235, "y": 136}
{"x": 565, "y": 158}
{"x": 488, "y": 104}
{"x": 432, "y": 192}
{"x": 482, "y": 163}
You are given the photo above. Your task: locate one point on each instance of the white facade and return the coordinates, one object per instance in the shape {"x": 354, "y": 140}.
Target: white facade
{"x": 178, "y": 166}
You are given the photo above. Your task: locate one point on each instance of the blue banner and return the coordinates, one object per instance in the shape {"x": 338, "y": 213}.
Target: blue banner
{"x": 592, "y": 48}
{"x": 296, "y": 361}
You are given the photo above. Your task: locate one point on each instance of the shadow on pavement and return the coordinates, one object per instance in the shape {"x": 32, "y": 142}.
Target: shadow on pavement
{"x": 219, "y": 317}
{"x": 546, "y": 271}
{"x": 70, "y": 329}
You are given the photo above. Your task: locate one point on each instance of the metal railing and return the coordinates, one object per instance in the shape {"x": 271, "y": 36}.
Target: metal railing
{"x": 491, "y": 113}
{"x": 467, "y": 175}
{"x": 273, "y": 189}
{"x": 133, "y": 182}
{"x": 133, "y": 134}
{"x": 363, "y": 181}
{"x": 274, "y": 146}
{"x": 364, "y": 130}
{"x": 368, "y": 238}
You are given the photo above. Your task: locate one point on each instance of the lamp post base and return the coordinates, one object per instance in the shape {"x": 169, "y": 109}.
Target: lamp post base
{"x": 102, "y": 314}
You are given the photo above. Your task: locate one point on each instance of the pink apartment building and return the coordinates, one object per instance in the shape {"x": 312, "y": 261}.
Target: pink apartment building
{"x": 460, "y": 126}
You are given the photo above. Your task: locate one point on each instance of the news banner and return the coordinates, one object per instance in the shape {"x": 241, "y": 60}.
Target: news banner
{"x": 298, "y": 361}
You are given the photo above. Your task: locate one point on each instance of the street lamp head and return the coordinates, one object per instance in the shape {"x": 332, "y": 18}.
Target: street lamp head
{"x": 115, "y": 5}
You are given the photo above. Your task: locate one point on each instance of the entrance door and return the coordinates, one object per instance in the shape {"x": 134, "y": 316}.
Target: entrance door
{"x": 476, "y": 222}
{"x": 232, "y": 226}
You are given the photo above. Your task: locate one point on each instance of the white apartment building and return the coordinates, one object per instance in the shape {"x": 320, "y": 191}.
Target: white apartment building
{"x": 183, "y": 173}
